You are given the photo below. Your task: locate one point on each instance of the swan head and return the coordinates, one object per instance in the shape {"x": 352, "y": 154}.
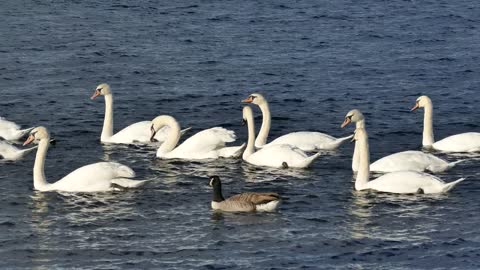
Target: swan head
{"x": 159, "y": 122}
{"x": 421, "y": 102}
{"x": 37, "y": 134}
{"x": 255, "y": 98}
{"x": 101, "y": 90}
{"x": 214, "y": 181}
{"x": 353, "y": 116}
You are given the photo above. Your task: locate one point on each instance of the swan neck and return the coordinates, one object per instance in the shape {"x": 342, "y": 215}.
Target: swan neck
{"x": 360, "y": 124}
{"x": 173, "y": 134}
{"x": 266, "y": 123}
{"x": 107, "y": 131}
{"x": 356, "y": 158}
{"x": 364, "y": 164}
{"x": 250, "y": 149}
{"x": 39, "y": 180}
{"x": 428, "y": 138}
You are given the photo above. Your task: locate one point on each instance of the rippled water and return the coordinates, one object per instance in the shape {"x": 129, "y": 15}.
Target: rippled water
{"x": 314, "y": 61}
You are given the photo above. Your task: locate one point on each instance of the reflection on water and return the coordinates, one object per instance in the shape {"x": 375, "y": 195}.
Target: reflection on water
{"x": 394, "y": 217}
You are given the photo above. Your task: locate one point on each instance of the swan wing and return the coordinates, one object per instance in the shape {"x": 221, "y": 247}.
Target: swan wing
{"x": 277, "y": 155}
{"x": 308, "y": 141}
{"x": 138, "y": 133}
{"x": 464, "y": 142}
{"x": 407, "y": 161}
{"x": 5, "y": 124}
{"x": 93, "y": 177}
{"x": 407, "y": 182}
{"x": 206, "y": 140}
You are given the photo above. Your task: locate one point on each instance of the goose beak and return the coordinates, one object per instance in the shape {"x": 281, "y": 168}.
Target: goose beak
{"x": 95, "y": 94}
{"x": 346, "y": 122}
{"x": 415, "y": 107}
{"x": 248, "y": 100}
{"x": 29, "y": 140}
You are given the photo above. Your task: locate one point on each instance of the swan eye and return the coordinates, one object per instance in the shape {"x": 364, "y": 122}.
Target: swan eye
{"x": 252, "y": 97}
{"x": 350, "y": 117}
{"x": 99, "y": 90}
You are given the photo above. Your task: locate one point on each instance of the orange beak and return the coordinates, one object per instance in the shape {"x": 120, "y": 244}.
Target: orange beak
{"x": 248, "y": 100}
{"x": 29, "y": 140}
{"x": 415, "y": 107}
{"x": 346, "y": 122}
{"x": 95, "y": 94}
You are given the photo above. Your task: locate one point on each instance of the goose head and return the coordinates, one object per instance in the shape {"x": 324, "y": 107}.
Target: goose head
{"x": 214, "y": 181}
{"x": 255, "y": 98}
{"x": 102, "y": 89}
{"x": 352, "y": 116}
{"x": 37, "y": 134}
{"x": 421, "y": 102}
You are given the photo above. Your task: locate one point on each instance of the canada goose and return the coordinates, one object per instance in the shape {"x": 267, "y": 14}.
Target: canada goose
{"x": 244, "y": 202}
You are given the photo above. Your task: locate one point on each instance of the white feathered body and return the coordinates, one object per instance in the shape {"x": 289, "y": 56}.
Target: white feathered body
{"x": 464, "y": 142}
{"x": 276, "y": 155}
{"x": 11, "y": 131}
{"x": 10, "y": 152}
{"x": 206, "y": 144}
{"x": 96, "y": 177}
{"x": 137, "y": 133}
{"x": 409, "y": 161}
{"x": 410, "y": 182}
{"x": 309, "y": 141}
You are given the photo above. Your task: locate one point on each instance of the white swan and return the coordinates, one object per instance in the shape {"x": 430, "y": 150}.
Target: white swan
{"x": 101, "y": 176}
{"x": 305, "y": 140}
{"x": 10, "y": 152}
{"x": 395, "y": 182}
{"x": 464, "y": 142}
{"x": 135, "y": 133}
{"x": 11, "y": 131}
{"x": 206, "y": 144}
{"x": 402, "y": 161}
{"x": 278, "y": 155}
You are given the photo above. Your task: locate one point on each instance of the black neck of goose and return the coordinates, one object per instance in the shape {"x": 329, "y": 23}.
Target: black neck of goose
{"x": 217, "y": 193}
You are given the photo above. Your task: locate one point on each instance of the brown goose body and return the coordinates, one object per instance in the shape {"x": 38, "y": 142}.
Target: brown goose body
{"x": 244, "y": 202}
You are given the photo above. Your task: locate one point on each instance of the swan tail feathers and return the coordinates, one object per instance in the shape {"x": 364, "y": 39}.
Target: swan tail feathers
{"x": 339, "y": 141}
{"x": 306, "y": 162}
{"x": 225, "y": 135}
{"x": 127, "y": 183}
{"x": 28, "y": 150}
{"x": 453, "y": 164}
{"x": 232, "y": 152}
{"x": 183, "y": 131}
{"x": 24, "y": 132}
{"x": 449, "y": 186}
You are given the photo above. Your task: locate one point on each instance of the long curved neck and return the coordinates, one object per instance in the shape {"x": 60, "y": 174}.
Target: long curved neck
{"x": 39, "y": 180}
{"x": 363, "y": 174}
{"x": 217, "y": 194}
{"x": 173, "y": 134}
{"x": 428, "y": 138}
{"x": 266, "y": 123}
{"x": 250, "y": 149}
{"x": 107, "y": 131}
{"x": 356, "y": 157}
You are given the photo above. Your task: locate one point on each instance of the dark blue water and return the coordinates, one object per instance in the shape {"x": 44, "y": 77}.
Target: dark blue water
{"x": 314, "y": 61}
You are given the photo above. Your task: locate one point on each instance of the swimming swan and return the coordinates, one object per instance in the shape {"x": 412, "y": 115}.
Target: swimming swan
{"x": 402, "y": 161}
{"x": 305, "y": 140}
{"x": 11, "y": 152}
{"x": 395, "y": 182}
{"x": 464, "y": 142}
{"x": 135, "y": 133}
{"x": 101, "y": 176}
{"x": 277, "y": 155}
{"x": 206, "y": 144}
